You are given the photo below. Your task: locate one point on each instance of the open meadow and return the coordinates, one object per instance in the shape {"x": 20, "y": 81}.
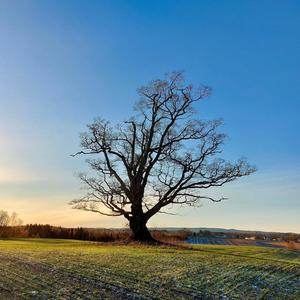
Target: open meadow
{"x": 69, "y": 269}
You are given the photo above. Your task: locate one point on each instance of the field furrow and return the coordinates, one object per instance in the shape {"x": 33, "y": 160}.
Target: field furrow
{"x": 56, "y": 269}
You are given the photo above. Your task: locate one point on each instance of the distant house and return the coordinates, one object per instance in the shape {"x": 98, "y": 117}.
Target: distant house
{"x": 252, "y": 238}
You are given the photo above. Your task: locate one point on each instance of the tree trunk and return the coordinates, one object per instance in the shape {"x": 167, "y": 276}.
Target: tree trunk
{"x": 139, "y": 229}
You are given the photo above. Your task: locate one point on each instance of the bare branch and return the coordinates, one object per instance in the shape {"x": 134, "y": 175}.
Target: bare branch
{"x": 160, "y": 157}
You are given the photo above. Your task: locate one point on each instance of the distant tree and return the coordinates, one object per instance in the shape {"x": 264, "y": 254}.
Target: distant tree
{"x": 4, "y": 218}
{"x": 160, "y": 157}
{"x": 15, "y": 220}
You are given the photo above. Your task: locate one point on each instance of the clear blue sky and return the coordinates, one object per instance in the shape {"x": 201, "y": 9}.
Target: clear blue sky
{"x": 62, "y": 63}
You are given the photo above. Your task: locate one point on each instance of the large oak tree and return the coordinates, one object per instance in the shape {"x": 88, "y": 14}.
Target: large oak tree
{"x": 161, "y": 156}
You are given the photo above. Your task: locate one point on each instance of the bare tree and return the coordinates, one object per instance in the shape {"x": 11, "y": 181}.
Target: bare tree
{"x": 4, "y": 218}
{"x": 15, "y": 220}
{"x": 160, "y": 157}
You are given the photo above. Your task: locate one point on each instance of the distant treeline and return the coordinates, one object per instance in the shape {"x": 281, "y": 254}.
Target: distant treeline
{"x": 87, "y": 234}
{"x": 117, "y": 235}
{"x": 251, "y": 234}
{"x": 48, "y": 231}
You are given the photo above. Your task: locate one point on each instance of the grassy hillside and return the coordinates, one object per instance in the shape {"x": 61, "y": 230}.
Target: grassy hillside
{"x": 64, "y": 269}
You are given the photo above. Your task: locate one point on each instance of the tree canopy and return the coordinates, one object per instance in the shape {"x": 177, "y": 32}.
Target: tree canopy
{"x": 163, "y": 155}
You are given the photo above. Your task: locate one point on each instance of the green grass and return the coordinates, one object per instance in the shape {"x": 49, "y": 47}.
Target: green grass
{"x": 62, "y": 269}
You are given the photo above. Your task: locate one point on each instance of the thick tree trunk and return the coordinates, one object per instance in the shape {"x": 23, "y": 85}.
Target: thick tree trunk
{"x": 139, "y": 229}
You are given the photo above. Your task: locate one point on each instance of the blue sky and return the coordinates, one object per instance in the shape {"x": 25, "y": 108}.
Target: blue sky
{"x": 62, "y": 63}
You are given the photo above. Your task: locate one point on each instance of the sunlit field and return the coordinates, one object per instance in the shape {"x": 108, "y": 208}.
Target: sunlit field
{"x": 68, "y": 269}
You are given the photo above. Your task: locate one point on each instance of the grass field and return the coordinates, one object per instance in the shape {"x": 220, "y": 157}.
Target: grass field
{"x": 64, "y": 269}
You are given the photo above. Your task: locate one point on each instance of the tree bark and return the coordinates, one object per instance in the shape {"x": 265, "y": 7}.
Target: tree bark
{"x": 139, "y": 230}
